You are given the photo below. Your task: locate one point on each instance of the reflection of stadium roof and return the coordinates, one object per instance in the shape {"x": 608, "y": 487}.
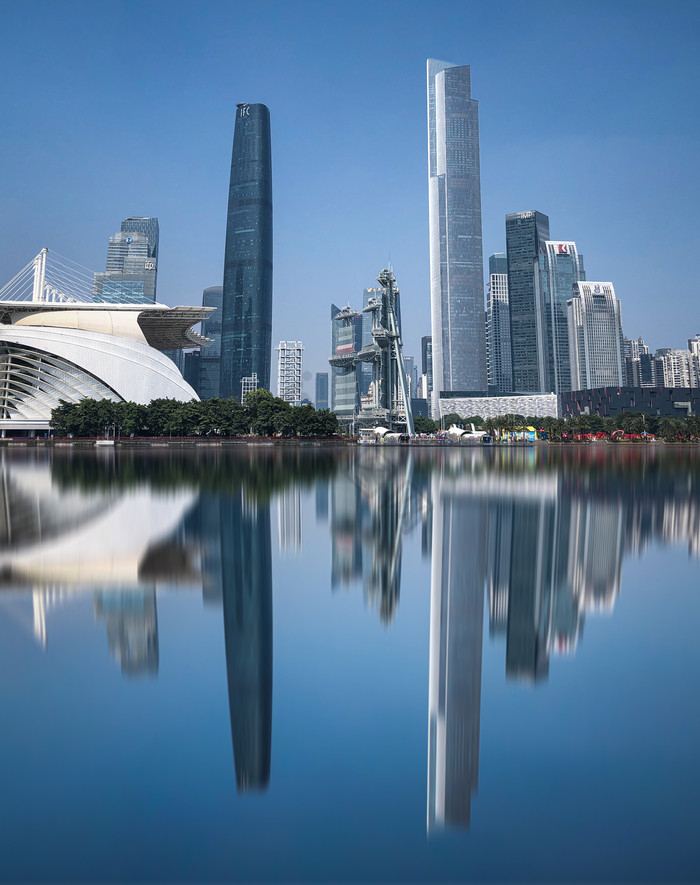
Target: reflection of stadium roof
{"x": 87, "y": 539}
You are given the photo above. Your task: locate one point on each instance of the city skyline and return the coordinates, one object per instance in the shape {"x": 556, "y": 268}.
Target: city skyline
{"x": 67, "y": 196}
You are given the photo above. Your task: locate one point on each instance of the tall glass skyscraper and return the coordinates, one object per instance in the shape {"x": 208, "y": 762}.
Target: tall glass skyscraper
{"x": 526, "y": 232}
{"x": 456, "y": 258}
{"x": 246, "y": 334}
{"x": 560, "y": 267}
{"x": 131, "y": 272}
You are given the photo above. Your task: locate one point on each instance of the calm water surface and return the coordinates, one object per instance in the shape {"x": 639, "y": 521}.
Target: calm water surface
{"x": 366, "y": 664}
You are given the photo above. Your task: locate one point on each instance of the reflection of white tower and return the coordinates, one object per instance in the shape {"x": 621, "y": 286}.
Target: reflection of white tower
{"x": 289, "y": 519}
{"x": 456, "y": 618}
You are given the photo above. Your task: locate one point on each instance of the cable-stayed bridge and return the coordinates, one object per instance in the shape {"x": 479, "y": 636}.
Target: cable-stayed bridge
{"x": 52, "y": 278}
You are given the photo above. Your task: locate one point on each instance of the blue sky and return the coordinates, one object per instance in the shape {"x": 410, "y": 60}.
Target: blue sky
{"x": 588, "y": 112}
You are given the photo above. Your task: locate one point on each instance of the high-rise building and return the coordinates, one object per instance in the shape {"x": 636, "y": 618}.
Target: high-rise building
{"x": 321, "y": 390}
{"x": 595, "y": 337}
{"x": 456, "y": 259}
{"x": 131, "y": 272}
{"x": 346, "y": 341}
{"x": 526, "y": 232}
{"x": 364, "y": 370}
{"x": 674, "y": 368}
{"x": 499, "y": 362}
{"x": 694, "y": 349}
{"x": 246, "y": 331}
{"x": 560, "y": 267}
{"x": 426, "y": 349}
{"x": 210, "y": 359}
{"x": 289, "y": 369}
{"x": 149, "y": 227}
{"x": 411, "y": 375}
{"x": 634, "y": 350}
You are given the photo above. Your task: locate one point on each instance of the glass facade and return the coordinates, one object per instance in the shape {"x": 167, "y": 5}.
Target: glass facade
{"x": 210, "y": 362}
{"x": 246, "y": 333}
{"x": 131, "y": 272}
{"x": 321, "y": 390}
{"x": 526, "y": 232}
{"x": 346, "y": 341}
{"x": 560, "y": 267}
{"x": 596, "y": 340}
{"x": 456, "y": 258}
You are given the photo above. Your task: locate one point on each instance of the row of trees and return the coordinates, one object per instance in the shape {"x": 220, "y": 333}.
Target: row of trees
{"x": 629, "y": 423}
{"x": 262, "y": 415}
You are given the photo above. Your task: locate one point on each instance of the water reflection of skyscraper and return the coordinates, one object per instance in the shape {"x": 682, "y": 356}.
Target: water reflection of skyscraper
{"x": 132, "y": 628}
{"x": 456, "y": 617}
{"x": 371, "y": 507}
{"x": 247, "y": 590}
{"x": 545, "y": 556}
{"x": 235, "y": 533}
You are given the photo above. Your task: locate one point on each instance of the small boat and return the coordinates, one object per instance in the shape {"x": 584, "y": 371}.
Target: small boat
{"x": 104, "y": 442}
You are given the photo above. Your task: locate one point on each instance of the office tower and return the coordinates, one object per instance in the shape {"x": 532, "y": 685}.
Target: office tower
{"x": 210, "y": 359}
{"x": 526, "y": 232}
{"x": 246, "y": 577}
{"x": 289, "y": 358}
{"x": 426, "y": 348}
{"x": 411, "y": 375}
{"x": 321, "y": 390}
{"x": 560, "y": 267}
{"x": 364, "y": 370}
{"x": 346, "y": 341}
{"x": 454, "y": 684}
{"x": 498, "y": 263}
{"x": 694, "y": 350}
{"x": 595, "y": 337}
{"x": 131, "y": 272}
{"x": 499, "y": 364}
{"x": 634, "y": 349}
{"x": 456, "y": 260}
{"x": 191, "y": 369}
{"x": 674, "y": 368}
{"x": 149, "y": 227}
{"x": 246, "y": 331}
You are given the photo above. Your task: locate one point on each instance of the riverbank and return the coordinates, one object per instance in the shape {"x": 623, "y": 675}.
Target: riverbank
{"x": 290, "y": 442}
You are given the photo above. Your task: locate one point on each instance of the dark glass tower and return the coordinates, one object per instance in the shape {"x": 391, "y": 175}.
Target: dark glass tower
{"x": 210, "y": 360}
{"x": 246, "y": 334}
{"x": 526, "y": 233}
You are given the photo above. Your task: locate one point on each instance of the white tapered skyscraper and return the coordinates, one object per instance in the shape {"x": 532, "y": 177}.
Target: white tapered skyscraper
{"x": 456, "y": 258}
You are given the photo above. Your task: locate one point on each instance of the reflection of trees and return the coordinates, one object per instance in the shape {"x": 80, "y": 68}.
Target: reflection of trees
{"x": 261, "y": 471}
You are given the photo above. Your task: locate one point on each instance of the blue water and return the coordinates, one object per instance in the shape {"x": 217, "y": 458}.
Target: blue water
{"x": 361, "y": 665}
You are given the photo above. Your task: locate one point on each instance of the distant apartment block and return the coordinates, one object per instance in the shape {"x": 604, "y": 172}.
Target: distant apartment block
{"x": 289, "y": 369}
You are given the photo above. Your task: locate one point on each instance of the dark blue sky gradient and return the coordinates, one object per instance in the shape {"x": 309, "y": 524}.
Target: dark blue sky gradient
{"x": 588, "y": 113}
